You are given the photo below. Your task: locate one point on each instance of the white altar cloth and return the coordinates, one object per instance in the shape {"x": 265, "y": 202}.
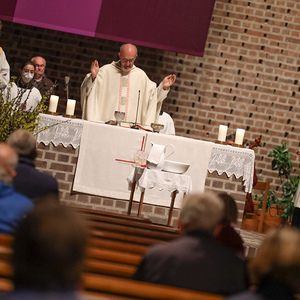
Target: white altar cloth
{"x": 148, "y": 179}
{"x": 232, "y": 161}
{"x": 60, "y": 130}
{"x": 99, "y": 173}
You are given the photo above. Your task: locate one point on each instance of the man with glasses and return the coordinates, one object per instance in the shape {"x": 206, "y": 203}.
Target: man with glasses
{"x": 41, "y": 81}
{"x": 4, "y": 66}
{"x": 121, "y": 86}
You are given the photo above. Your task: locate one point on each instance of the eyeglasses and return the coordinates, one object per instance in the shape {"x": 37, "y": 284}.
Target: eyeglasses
{"x": 124, "y": 60}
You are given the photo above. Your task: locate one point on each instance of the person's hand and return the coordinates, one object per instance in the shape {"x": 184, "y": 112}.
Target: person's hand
{"x": 168, "y": 81}
{"x": 298, "y": 152}
{"x": 94, "y": 69}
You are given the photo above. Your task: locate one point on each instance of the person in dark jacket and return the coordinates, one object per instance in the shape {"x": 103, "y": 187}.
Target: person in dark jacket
{"x": 195, "y": 260}
{"x": 40, "y": 80}
{"x": 29, "y": 181}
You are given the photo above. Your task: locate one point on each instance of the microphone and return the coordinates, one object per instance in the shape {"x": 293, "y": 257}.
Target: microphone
{"x": 67, "y": 79}
{"x": 134, "y": 126}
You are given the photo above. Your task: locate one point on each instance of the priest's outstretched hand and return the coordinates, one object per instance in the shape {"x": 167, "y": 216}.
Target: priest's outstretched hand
{"x": 168, "y": 81}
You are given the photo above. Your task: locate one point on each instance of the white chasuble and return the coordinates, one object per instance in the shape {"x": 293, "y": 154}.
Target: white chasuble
{"x": 114, "y": 89}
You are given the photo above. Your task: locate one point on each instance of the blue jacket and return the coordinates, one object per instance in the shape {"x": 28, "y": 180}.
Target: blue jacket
{"x": 13, "y": 208}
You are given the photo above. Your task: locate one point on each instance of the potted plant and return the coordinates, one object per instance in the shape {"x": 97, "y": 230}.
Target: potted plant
{"x": 12, "y": 115}
{"x": 289, "y": 183}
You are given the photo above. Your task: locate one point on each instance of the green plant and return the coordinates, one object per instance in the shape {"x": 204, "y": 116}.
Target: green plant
{"x": 12, "y": 115}
{"x": 283, "y": 164}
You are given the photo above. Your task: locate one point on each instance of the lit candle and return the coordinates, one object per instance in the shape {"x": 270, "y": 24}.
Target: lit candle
{"x": 70, "y": 107}
{"x": 222, "y": 133}
{"x": 239, "y": 136}
{"x": 53, "y": 103}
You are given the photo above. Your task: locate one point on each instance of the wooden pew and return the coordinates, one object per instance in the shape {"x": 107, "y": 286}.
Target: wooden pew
{"x": 119, "y": 219}
{"x": 98, "y": 261}
{"x": 113, "y": 256}
{"x": 142, "y": 290}
{"x": 121, "y": 237}
{"x": 110, "y": 214}
{"x": 98, "y": 242}
{"x": 122, "y": 246}
{"x": 131, "y": 230}
{"x": 107, "y": 285}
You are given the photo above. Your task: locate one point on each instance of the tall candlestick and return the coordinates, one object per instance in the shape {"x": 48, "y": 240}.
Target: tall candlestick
{"x": 70, "y": 107}
{"x": 222, "y": 133}
{"x": 53, "y": 103}
{"x": 239, "y": 136}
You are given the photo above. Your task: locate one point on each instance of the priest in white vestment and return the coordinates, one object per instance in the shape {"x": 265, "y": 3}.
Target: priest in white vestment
{"x": 121, "y": 86}
{"x": 4, "y": 67}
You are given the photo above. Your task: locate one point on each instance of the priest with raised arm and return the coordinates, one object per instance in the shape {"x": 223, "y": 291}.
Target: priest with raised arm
{"x": 121, "y": 86}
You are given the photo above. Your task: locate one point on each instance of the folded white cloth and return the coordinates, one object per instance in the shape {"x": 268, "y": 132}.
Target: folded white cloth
{"x": 157, "y": 154}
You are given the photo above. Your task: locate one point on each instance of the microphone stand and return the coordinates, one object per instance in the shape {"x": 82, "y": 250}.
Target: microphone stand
{"x": 134, "y": 126}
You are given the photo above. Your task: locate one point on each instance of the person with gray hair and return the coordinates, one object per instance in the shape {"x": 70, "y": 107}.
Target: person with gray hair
{"x": 13, "y": 206}
{"x": 40, "y": 80}
{"x": 29, "y": 181}
{"x": 195, "y": 260}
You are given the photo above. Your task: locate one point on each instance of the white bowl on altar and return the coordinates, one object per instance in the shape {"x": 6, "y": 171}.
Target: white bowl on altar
{"x": 175, "y": 167}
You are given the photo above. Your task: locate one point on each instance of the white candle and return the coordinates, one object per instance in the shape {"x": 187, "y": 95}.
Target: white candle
{"x": 53, "y": 103}
{"x": 70, "y": 107}
{"x": 222, "y": 133}
{"x": 239, "y": 136}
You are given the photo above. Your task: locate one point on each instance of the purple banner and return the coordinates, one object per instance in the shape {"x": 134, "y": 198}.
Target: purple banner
{"x": 172, "y": 25}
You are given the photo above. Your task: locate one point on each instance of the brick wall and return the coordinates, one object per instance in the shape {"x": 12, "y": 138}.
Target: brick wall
{"x": 248, "y": 78}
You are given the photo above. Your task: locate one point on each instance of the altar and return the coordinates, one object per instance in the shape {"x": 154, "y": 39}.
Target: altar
{"x": 106, "y": 157}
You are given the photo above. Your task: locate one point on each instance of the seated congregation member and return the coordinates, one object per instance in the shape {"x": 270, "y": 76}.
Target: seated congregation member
{"x": 13, "y": 206}
{"x": 25, "y": 94}
{"x": 29, "y": 181}
{"x": 225, "y": 233}
{"x": 275, "y": 270}
{"x": 195, "y": 260}
{"x": 48, "y": 253}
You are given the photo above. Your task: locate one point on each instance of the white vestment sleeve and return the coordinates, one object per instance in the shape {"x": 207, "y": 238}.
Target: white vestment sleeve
{"x": 161, "y": 96}
{"x": 161, "y": 93}
{"x": 85, "y": 90}
{"x": 4, "y": 70}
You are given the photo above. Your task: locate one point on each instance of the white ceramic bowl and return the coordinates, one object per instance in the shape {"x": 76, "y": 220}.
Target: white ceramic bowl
{"x": 175, "y": 167}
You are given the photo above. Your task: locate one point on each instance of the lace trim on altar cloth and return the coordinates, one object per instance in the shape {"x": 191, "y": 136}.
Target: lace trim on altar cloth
{"x": 59, "y": 130}
{"x": 232, "y": 161}
{"x": 148, "y": 179}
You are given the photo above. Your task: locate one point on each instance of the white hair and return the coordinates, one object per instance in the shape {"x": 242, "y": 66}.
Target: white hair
{"x": 201, "y": 211}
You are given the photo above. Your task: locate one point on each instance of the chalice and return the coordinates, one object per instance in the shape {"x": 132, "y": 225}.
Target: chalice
{"x": 156, "y": 127}
{"x": 119, "y": 116}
